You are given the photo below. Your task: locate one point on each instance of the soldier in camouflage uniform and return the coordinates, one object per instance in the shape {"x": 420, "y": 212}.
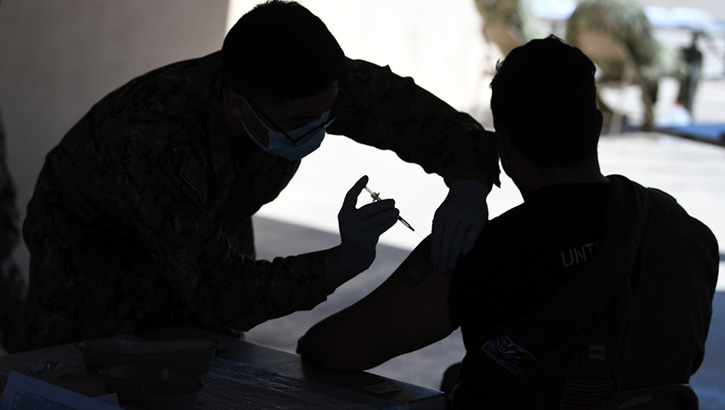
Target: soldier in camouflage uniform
{"x": 515, "y": 14}
{"x": 12, "y": 283}
{"x": 141, "y": 216}
{"x": 626, "y": 21}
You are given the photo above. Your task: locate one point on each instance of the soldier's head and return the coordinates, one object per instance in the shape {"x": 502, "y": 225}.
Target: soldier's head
{"x": 544, "y": 101}
{"x": 281, "y": 68}
{"x": 280, "y": 50}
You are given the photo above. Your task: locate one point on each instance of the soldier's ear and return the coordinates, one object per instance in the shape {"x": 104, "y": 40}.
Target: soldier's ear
{"x": 234, "y": 103}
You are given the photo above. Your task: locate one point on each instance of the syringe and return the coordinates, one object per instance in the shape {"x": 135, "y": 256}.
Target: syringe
{"x": 376, "y": 198}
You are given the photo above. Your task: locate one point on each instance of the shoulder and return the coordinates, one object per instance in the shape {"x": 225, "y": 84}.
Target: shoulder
{"x": 167, "y": 106}
{"x": 664, "y": 203}
{"x": 662, "y": 212}
{"x": 673, "y": 218}
{"x": 655, "y": 200}
{"x": 179, "y": 89}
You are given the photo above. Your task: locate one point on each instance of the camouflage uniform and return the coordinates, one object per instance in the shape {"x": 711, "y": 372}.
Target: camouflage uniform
{"x": 626, "y": 21}
{"x": 12, "y": 282}
{"x": 141, "y": 216}
{"x": 513, "y": 13}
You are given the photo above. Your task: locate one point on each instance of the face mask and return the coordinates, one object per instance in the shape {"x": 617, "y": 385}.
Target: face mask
{"x": 298, "y": 143}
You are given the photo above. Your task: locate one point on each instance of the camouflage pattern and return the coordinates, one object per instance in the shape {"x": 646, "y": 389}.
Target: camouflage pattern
{"x": 515, "y": 13}
{"x": 141, "y": 216}
{"x": 12, "y": 282}
{"x": 626, "y": 21}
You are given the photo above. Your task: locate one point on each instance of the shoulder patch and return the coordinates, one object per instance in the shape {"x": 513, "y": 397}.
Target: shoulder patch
{"x": 507, "y": 354}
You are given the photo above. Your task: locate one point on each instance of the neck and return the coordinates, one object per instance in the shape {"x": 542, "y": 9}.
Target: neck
{"x": 531, "y": 177}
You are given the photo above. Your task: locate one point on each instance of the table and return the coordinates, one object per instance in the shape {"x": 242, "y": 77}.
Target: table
{"x": 246, "y": 375}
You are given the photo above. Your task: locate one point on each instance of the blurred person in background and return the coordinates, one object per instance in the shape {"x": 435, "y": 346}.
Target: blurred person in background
{"x": 626, "y": 22}
{"x": 142, "y": 215}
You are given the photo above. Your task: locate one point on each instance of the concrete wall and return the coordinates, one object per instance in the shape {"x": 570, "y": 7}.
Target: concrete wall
{"x": 58, "y": 57}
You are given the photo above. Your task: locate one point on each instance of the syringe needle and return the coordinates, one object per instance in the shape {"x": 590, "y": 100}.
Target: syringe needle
{"x": 404, "y": 222}
{"x": 376, "y": 198}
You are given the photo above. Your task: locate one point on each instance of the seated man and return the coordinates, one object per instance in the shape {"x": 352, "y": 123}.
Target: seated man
{"x": 594, "y": 284}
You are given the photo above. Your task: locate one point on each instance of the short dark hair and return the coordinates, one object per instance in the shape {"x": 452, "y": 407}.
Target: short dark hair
{"x": 544, "y": 98}
{"x": 281, "y": 51}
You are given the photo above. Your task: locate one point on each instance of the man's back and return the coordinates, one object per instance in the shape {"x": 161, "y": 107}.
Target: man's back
{"x": 635, "y": 314}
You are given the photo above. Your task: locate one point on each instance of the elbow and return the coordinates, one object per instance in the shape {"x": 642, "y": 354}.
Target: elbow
{"x": 317, "y": 352}
{"x": 330, "y": 355}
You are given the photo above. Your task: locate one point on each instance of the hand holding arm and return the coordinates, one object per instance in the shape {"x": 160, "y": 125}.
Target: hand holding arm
{"x": 458, "y": 221}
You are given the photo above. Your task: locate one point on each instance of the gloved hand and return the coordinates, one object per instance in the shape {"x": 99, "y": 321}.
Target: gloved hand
{"x": 457, "y": 222}
{"x": 361, "y": 227}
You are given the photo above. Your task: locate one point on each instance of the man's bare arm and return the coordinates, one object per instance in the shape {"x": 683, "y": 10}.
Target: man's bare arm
{"x": 407, "y": 312}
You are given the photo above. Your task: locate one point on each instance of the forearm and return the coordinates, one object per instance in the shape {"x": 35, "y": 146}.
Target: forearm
{"x": 263, "y": 290}
{"x": 335, "y": 271}
{"x": 243, "y": 292}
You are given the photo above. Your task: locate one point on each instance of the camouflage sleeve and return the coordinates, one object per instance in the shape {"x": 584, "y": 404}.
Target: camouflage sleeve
{"x": 169, "y": 203}
{"x": 376, "y": 107}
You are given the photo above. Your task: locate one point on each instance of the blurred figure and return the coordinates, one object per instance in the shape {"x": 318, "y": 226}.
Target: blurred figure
{"x": 12, "y": 282}
{"x": 626, "y": 22}
{"x": 512, "y": 16}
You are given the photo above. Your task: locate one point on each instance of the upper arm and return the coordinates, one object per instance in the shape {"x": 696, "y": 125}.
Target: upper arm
{"x": 380, "y": 108}
{"x": 407, "y": 312}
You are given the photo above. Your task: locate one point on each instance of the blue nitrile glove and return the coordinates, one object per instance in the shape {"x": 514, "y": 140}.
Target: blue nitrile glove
{"x": 361, "y": 227}
{"x": 457, "y": 222}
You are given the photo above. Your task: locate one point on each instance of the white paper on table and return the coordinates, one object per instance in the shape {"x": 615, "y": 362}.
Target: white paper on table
{"x": 25, "y": 392}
